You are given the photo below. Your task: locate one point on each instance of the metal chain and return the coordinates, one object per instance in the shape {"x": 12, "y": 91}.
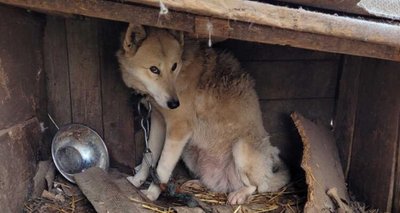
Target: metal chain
{"x": 145, "y": 124}
{"x": 148, "y": 155}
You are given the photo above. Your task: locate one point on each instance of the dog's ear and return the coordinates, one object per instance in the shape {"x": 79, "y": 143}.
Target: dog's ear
{"x": 134, "y": 36}
{"x": 178, "y": 36}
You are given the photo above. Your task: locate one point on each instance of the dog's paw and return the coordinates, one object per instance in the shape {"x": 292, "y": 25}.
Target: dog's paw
{"x": 237, "y": 197}
{"x": 136, "y": 180}
{"x": 240, "y": 196}
{"x": 152, "y": 192}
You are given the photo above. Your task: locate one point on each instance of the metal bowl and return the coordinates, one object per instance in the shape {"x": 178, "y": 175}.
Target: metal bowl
{"x": 75, "y": 148}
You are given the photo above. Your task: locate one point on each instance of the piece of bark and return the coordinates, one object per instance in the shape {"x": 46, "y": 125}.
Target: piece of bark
{"x": 39, "y": 180}
{"x": 321, "y": 164}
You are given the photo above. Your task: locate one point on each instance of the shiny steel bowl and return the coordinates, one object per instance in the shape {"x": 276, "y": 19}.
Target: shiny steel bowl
{"x": 75, "y": 148}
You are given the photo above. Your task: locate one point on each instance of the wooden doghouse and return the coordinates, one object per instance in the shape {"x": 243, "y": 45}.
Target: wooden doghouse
{"x": 341, "y": 70}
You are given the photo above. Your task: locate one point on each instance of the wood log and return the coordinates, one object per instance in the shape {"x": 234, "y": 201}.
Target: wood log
{"x": 288, "y": 18}
{"x": 222, "y": 28}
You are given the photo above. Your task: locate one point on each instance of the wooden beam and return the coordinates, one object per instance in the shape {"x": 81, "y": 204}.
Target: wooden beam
{"x": 289, "y": 18}
{"x": 270, "y": 35}
{"x": 196, "y": 24}
{"x": 111, "y": 11}
{"x": 348, "y": 6}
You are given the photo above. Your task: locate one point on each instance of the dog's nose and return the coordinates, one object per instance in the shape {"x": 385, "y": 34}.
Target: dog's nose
{"x": 173, "y": 103}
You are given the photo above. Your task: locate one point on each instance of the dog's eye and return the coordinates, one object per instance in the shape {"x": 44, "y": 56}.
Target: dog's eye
{"x": 174, "y": 67}
{"x": 154, "y": 70}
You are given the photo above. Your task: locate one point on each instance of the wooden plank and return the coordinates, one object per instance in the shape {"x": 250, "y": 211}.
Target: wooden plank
{"x": 20, "y": 65}
{"x": 57, "y": 71}
{"x": 346, "y": 108}
{"x": 371, "y": 175}
{"x": 289, "y": 18}
{"x": 118, "y": 117}
{"x": 270, "y": 35}
{"x": 84, "y": 68}
{"x": 348, "y": 6}
{"x": 104, "y": 193}
{"x": 112, "y": 11}
{"x": 250, "y": 51}
{"x": 18, "y": 148}
{"x": 222, "y": 28}
{"x": 321, "y": 164}
{"x": 294, "y": 79}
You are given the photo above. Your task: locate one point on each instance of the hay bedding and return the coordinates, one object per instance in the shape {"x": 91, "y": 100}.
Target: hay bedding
{"x": 64, "y": 197}
{"x": 289, "y": 199}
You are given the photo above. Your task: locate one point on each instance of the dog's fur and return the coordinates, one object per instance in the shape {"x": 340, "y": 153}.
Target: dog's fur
{"x": 217, "y": 129}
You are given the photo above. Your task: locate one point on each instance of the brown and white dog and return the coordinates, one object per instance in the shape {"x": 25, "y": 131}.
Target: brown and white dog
{"x": 205, "y": 110}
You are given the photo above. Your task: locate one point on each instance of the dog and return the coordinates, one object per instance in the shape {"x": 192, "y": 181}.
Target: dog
{"x": 205, "y": 111}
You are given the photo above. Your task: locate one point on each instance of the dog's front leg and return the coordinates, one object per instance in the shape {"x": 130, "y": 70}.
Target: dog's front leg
{"x": 156, "y": 142}
{"x": 178, "y": 134}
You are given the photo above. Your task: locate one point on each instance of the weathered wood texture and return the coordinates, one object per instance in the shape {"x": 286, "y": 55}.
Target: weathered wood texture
{"x": 84, "y": 70}
{"x": 253, "y": 52}
{"x": 20, "y": 66}
{"x": 373, "y": 155}
{"x": 118, "y": 119}
{"x": 321, "y": 164}
{"x": 270, "y": 35}
{"x": 18, "y": 151}
{"x": 288, "y": 18}
{"x": 21, "y": 74}
{"x": 348, "y": 6}
{"x": 346, "y": 108}
{"x": 105, "y": 195}
{"x": 84, "y": 84}
{"x": 57, "y": 72}
{"x": 290, "y": 31}
{"x": 314, "y": 79}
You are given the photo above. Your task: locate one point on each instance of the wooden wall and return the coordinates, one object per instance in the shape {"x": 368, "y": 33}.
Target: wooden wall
{"x": 84, "y": 84}
{"x": 367, "y": 130}
{"x": 21, "y": 102}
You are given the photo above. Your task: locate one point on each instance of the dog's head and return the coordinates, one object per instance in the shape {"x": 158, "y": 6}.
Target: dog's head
{"x": 150, "y": 62}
